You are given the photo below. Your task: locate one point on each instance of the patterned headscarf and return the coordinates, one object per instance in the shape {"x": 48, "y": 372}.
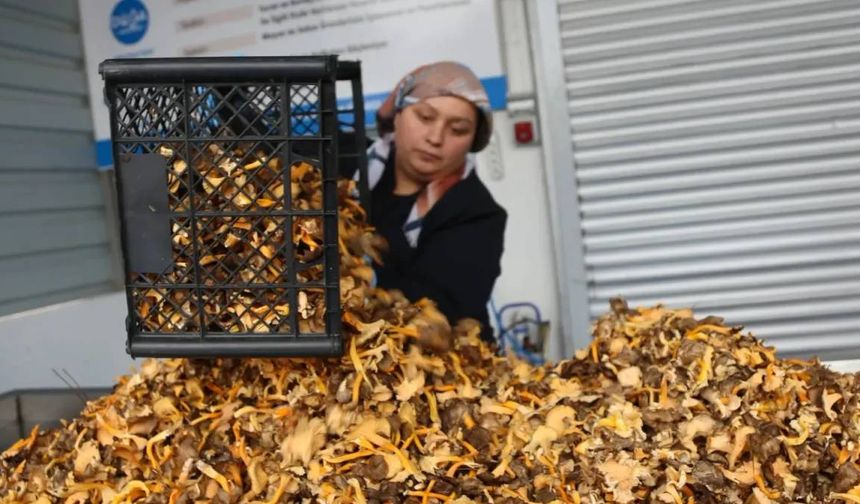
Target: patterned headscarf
{"x": 445, "y": 78}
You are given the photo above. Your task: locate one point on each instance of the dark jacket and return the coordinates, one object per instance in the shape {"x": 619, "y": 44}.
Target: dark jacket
{"x": 459, "y": 251}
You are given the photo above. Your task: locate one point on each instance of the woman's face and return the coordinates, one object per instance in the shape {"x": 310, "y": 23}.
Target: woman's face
{"x": 433, "y": 136}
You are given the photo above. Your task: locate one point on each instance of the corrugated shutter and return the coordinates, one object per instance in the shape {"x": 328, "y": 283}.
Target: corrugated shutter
{"x": 717, "y": 152}
{"x": 54, "y": 244}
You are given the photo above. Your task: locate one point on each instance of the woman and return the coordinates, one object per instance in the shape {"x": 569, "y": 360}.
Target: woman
{"x": 445, "y": 232}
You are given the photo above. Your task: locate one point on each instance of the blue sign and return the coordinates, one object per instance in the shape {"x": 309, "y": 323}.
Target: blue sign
{"x": 129, "y": 21}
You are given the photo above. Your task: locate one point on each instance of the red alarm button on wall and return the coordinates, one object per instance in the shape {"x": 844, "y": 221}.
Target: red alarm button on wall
{"x": 524, "y": 132}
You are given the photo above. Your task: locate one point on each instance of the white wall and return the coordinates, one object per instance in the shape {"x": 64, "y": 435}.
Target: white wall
{"x": 528, "y": 270}
{"x": 85, "y": 337}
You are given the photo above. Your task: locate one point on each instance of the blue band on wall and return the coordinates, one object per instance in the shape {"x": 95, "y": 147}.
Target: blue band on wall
{"x": 104, "y": 156}
{"x": 497, "y": 91}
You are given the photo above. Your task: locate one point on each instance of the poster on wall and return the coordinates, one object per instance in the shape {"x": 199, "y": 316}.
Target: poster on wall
{"x": 389, "y": 37}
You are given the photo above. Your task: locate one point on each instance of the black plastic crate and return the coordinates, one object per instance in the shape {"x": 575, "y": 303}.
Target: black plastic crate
{"x": 207, "y": 151}
{"x": 352, "y": 135}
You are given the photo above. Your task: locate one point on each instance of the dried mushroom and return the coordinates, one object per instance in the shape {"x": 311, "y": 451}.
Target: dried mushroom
{"x": 241, "y": 239}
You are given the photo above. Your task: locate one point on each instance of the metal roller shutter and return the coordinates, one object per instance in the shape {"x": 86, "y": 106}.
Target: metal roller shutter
{"x": 55, "y": 243}
{"x": 717, "y": 157}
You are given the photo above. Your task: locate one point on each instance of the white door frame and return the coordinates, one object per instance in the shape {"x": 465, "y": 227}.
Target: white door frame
{"x": 561, "y": 180}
